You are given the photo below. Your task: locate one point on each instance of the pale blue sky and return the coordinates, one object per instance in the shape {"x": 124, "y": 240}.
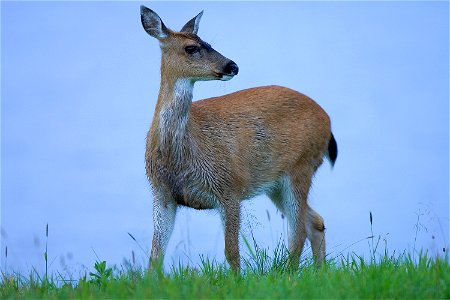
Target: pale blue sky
{"x": 78, "y": 88}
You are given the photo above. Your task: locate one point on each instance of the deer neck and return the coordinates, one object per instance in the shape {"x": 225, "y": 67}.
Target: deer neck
{"x": 172, "y": 113}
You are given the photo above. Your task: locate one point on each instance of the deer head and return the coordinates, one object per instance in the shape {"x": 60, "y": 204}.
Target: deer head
{"x": 184, "y": 54}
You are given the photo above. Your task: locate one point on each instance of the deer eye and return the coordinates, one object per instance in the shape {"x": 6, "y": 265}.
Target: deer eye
{"x": 191, "y": 49}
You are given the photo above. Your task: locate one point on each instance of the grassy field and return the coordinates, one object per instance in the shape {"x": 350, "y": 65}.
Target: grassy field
{"x": 261, "y": 277}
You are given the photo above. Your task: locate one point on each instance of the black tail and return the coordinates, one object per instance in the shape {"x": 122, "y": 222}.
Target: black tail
{"x": 332, "y": 150}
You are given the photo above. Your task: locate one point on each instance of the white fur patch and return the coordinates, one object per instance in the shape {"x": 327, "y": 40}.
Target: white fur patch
{"x": 288, "y": 199}
{"x": 226, "y": 77}
{"x": 174, "y": 114}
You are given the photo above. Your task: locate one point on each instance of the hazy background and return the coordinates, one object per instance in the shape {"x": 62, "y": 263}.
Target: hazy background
{"x": 79, "y": 82}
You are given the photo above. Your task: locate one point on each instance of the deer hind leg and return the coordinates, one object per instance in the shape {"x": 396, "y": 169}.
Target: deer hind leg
{"x": 315, "y": 230}
{"x": 311, "y": 221}
{"x": 164, "y": 212}
{"x": 286, "y": 200}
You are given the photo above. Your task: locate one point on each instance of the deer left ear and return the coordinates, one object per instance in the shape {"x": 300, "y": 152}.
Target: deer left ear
{"x": 153, "y": 24}
{"x": 192, "y": 25}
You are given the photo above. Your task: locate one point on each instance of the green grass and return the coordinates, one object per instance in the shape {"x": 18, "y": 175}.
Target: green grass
{"x": 261, "y": 277}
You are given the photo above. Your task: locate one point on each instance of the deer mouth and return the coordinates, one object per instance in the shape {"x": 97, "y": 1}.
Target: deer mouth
{"x": 224, "y": 77}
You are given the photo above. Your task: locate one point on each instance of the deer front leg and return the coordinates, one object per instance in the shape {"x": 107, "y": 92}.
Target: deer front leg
{"x": 164, "y": 211}
{"x": 231, "y": 221}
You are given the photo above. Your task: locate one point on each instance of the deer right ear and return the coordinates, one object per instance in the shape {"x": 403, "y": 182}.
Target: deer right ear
{"x": 192, "y": 25}
{"x": 153, "y": 24}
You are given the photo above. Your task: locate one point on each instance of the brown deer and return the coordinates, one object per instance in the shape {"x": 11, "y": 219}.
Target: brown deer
{"x": 216, "y": 152}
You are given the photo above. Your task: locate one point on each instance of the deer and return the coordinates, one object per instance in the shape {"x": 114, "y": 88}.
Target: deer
{"x": 216, "y": 152}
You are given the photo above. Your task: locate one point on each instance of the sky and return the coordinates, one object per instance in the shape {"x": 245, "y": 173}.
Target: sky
{"x": 79, "y": 82}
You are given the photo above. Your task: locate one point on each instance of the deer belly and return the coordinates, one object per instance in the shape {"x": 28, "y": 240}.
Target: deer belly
{"x": 191, "y": 195}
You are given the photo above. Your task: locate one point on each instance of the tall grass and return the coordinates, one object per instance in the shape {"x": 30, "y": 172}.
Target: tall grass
{"x": 262, "y": 276}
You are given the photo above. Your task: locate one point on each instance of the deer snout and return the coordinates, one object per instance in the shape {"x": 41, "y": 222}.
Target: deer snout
{"x": 229, "y": 71}
{"x": 231, "y": 68}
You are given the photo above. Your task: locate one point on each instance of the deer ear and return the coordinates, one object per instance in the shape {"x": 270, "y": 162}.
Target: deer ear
{"x": 192, "y": 25}
{"x": 153, "y": 24}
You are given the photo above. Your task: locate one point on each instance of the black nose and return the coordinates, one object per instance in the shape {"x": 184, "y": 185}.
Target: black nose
{"x": 231, "y": 68}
